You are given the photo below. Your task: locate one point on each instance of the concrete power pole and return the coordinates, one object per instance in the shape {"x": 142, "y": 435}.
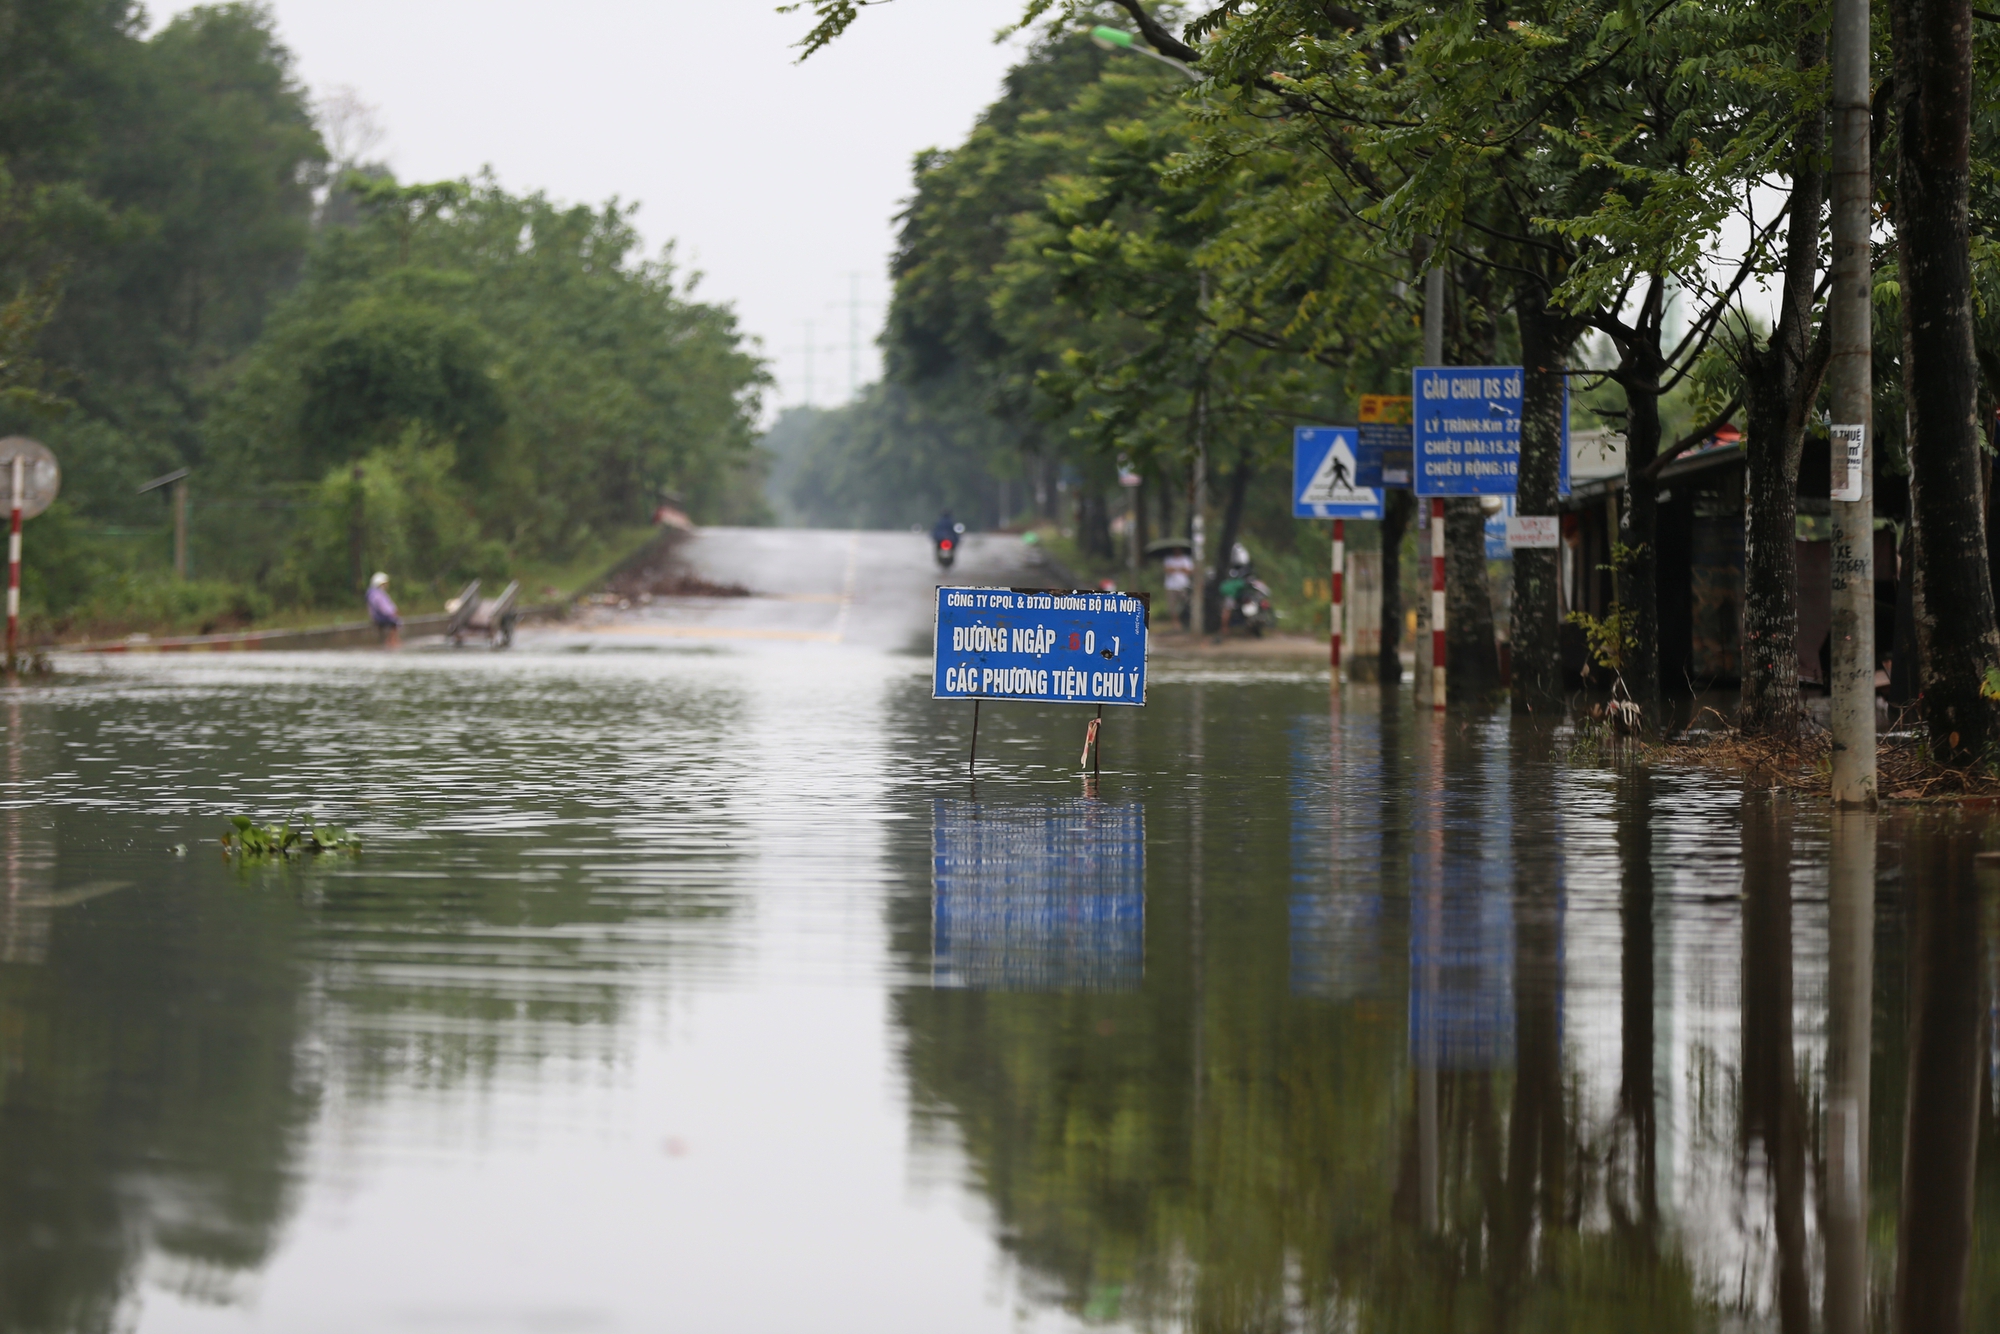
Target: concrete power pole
{"x": 1430, "y": 619}
{"x": 1850, "y": 380}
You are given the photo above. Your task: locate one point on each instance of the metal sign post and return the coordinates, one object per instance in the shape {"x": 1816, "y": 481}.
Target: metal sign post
{"x": 1327, "y": 484}
{"x": 1045, "y": 645}
{"x": 14, "y": 560}
{"x": 1337, "y": 597}
{"x": 1437, "y": 604}
{"x": 33, "y": 481}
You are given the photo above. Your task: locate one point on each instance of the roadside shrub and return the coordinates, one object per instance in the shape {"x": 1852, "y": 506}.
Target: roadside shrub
{"x": 416, "y": 523}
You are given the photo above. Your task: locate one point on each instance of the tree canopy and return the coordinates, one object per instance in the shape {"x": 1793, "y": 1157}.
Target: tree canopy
{"x": 189, "y": 280}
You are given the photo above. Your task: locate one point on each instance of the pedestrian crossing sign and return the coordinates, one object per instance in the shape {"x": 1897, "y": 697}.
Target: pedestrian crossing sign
{"x": 1323, "y": 476}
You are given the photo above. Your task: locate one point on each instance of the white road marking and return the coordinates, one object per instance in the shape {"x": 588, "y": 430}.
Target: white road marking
{"x": 847, "y": 587}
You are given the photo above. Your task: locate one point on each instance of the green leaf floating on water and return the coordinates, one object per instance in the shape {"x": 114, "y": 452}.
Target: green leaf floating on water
{"x": 277, "y": 842}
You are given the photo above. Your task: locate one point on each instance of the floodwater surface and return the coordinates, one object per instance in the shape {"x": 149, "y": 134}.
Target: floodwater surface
{"x": 696, "y": 987}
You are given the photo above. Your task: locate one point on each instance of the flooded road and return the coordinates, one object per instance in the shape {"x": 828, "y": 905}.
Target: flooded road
{"x": 686, "y": 983}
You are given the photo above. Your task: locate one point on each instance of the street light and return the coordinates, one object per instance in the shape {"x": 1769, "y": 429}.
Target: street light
{"x": 1111, "y": 39}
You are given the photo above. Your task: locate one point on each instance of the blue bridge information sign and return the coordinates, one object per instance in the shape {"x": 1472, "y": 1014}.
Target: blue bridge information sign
{"x": 1045, "y": 645}
{"x": 1468, "y": 431}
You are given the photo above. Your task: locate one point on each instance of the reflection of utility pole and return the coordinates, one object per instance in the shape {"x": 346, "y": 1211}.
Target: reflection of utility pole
{"x": 1198, "y": 1017}
{"x": 1850, "y": 1026}
{"x": 1427, "y": 928}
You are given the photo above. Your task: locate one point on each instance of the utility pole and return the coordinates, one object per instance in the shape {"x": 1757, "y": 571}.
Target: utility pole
{"x": 853, "y": 334}
{"x": 1850, "y": 380}
{"x": 181, "y": 530}
{"x": 809, "y": 363}
{"x": 1430, "y": 685}
{"x": 1850, "y": 1024}
{"x": 1198, "y": 501}
{"x": 178, "y": 498}
{"x": 853, "y": 305}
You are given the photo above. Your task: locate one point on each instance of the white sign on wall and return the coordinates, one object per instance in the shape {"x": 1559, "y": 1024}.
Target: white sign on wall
{"x": 1533, "y": 532}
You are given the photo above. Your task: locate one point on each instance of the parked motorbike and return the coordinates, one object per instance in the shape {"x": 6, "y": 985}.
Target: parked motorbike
{"x": 1246, "y": 599}
{"x": 1249, "y": 605}
{"x": 945, "y": 545}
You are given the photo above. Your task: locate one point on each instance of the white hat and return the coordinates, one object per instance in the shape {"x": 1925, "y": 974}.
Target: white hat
{"x": 378, "y": 580}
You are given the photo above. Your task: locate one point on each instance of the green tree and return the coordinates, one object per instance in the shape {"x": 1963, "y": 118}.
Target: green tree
{"x": 569, "y": 382}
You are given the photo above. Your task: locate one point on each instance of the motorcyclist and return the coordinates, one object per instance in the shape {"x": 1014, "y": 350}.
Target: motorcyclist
{"x": 945, "y": 529}
{"x": 1236, "y": 574}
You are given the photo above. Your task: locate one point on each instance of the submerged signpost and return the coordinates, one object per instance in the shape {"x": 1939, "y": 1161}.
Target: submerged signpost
{"x": 1467, "y": 442}
{"x": 1328, "y": 483}
{"x": 1047, "y": 646}
{"x": 33, "y": 478}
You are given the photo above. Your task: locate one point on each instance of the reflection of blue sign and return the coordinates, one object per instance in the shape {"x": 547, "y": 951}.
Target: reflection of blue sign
{"x": 1468, "y": 430}
{"x": 1338, "y": 946}
{"x": 1038, "y": 898}
{"x": 1326, "y": 482}
{"x": 1059, "y": 648}
{"x": 1462, "y": 979}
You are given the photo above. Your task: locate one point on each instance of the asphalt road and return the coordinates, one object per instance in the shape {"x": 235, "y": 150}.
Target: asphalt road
{"x": 871, "y": 590}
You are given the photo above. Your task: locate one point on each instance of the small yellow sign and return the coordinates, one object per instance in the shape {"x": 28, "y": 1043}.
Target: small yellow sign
{"x": 1392, "y": 408}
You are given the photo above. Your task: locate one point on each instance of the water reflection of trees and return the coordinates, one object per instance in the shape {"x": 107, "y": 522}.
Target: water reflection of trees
{"x": 1650, "y": 1150}
{"x": 153, "y": 1103}
{"x": 166, "y": 1050}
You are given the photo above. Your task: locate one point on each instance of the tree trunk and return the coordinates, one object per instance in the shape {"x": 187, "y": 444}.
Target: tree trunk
{"x": 1232, "y": 525}
{"x": 1536, "y": 1129}
{"x": 1770, "y": 561}
{"x": 1635, "y": 1202}
{"x": 1469, "y": 646}
{"x": 1397, "y": 509}
{"x": 1773, "y": 1104}
{"x": 1638, "y": 523}
{"x": 1941, "y": 1116}
{"x": 1093, "y": 523}
{"x": 1903, "y": 653}
{"x": 1536, "y": 629}
{"x": 1780, "y": 384}
{"x": 1956, "y": 638}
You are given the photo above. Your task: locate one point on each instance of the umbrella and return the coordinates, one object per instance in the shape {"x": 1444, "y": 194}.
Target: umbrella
{"x": 1168, "y": 545}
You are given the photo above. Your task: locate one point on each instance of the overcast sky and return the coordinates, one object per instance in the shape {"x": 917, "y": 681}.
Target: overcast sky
{"x": 779, "y": 181}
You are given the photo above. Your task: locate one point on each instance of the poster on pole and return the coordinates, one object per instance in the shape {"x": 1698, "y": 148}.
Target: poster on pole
{"x": 1046, "y": 645}
{"x": 1324, "y": 481}
{"x": 1382, "y": 441}
{"x": 1467, "y": 433}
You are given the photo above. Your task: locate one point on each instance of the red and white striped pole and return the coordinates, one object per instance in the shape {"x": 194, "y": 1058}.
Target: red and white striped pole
{"x": 14, "y": 566}
{"x": 1437, "y": 604}
{"x": 1339, "y": 589}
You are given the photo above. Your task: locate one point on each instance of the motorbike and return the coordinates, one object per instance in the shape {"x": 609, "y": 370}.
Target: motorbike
{"x": 1249, "y": 605}
{"x": 946, "y": 545}
{"x": 1246, "y": 599}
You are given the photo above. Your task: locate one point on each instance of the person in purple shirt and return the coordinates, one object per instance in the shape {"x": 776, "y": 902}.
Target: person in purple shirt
{"x": 382, "y": 611}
